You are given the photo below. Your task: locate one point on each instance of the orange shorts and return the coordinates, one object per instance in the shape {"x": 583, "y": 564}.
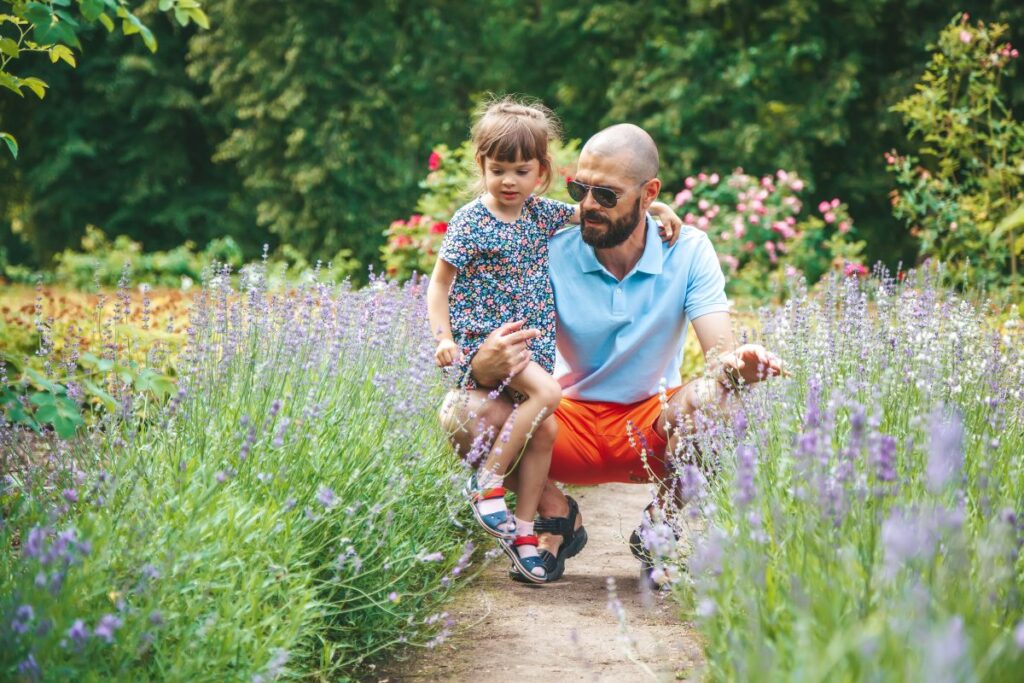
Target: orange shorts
{"x": 592, "y": 446}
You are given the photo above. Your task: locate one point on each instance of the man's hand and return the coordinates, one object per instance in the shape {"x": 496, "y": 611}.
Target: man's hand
{"x": 503, "y": 354}
{"x": 447, "y": 353}
{"x": 751, "y": 363}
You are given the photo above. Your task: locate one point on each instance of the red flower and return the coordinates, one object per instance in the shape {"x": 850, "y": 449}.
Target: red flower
{"x": 401, "y": 241}
{"x": 439, "y": 228}
{"x": 434, "y": 162}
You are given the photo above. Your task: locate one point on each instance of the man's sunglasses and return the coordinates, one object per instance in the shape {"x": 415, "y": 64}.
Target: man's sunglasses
{"x": 605, "y": 196}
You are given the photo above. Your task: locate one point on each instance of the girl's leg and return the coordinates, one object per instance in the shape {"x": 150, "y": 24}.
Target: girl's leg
{"x": 543, "y": 395}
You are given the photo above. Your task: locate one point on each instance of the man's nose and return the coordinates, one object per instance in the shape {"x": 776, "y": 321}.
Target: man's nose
{"x": 588, "y": 202}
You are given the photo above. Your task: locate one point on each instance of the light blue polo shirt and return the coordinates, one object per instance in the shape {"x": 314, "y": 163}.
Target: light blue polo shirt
{"x": 617, "y": 340}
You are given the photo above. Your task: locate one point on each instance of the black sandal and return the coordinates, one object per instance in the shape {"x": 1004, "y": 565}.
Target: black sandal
{"x": 573, "y": 541}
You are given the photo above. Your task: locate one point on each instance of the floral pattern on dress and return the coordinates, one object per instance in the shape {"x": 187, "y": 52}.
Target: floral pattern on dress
{"x": 503, "y": 274}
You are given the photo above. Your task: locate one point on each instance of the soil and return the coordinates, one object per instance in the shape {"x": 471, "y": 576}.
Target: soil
{"x": 565, "y": 631}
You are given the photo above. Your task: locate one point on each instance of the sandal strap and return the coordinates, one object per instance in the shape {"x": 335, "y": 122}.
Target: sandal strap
{"x": 489, "y": 494}
{"x": 561, "y": 526}
{"x": 525, "y": 540}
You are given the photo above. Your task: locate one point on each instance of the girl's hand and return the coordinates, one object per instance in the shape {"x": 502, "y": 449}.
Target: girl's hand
{"x": 671, "y": 224}
{"x": 447, "y": 353}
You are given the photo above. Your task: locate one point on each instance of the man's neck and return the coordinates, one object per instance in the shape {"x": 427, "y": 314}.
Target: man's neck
{"x": 620, "y": 260}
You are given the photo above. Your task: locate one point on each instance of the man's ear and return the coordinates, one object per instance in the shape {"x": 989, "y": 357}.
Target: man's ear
{"x": 651, "y": 190}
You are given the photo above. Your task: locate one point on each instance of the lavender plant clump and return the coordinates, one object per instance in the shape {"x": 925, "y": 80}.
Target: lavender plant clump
{"x": 864, "y": 523}
{"x": 279, "y": 493}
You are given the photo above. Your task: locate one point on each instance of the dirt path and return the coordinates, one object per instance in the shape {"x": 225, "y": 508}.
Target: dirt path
{"x": 565, "y": 631}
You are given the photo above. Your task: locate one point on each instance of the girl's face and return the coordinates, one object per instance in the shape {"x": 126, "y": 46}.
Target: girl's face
{"x": 511, "y": 182}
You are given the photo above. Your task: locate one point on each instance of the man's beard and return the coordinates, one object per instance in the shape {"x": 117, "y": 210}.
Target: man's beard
{"x": 616, "y": 232}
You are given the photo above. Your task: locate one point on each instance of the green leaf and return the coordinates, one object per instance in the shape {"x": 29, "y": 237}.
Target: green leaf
{"x": 35, "y": 85}
{"x": 181, "y": 15}
{"x": 41, "y": 382}
{"x": 107, "y": 22}
{"x": 58, "y": 52}
{"x": 92, "y": 9}
{"x": 9, "y": 47}
{"x": 12, "y": 144}
{"x": 11, "y": 83}
{"x": 198, "y": 16}
{"x": 101, "y": 364}
{"x": 150, "y": 380}
{"x": 165, "y": 5}
{"x": 38, "y": 14}
{"x": 93, "y": 389}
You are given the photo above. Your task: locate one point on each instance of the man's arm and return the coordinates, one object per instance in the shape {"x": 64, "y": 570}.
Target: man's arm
{"x": 730, "y": 363}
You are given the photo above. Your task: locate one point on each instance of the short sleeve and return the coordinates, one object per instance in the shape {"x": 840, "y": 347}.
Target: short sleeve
{"x": 705, "y": 288}
{"x": 459, "y": 246}
{"x": 552, "y": 215}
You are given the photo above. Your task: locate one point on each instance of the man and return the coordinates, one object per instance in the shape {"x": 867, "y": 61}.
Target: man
{"x": 623, "y": 300}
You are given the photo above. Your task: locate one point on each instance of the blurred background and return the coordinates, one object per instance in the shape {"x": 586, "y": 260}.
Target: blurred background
{"x": 310, "y": 126}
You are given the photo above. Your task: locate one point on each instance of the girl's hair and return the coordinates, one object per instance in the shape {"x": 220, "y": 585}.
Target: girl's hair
{"x": 513, "y": 129}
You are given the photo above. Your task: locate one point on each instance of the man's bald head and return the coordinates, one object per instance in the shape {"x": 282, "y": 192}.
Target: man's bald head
{"x": 632, "y": 143}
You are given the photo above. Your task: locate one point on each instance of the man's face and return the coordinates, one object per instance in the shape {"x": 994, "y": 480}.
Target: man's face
{"x": 604, "y": 228}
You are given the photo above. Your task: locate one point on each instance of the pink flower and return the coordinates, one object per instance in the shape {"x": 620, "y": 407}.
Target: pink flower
{"x": 781, "y": 175}
{"x": 689, "y": 219}
{"x": 703, "y": 205}
{"x": 835, "y": 203}
{"x": 690, "y": 183}
{"x": 965, "y": 36}
{"x": 830, "y": 217}
{"x": 855, "y": 269}
{"x": 952, "y": 226}
{"x": 792, "y": 272}
{"x": 703, "y": 223}
{"x": 797, "y": 185}
{"x": 683, "y": 197}
{"x": 702, "y": 176}
{"x": 754, "y": 219}
{"x": 713, "y": 178}
{"x": 824, "y": 206}
{"x": 844, "y": 227}
{"x": 434, "y": 162}
{"x": 741, "y": 207}
{"x": 401, "y": 241}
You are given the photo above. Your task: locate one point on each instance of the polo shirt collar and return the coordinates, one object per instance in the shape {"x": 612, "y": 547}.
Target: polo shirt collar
{"x": 650, "y": 261}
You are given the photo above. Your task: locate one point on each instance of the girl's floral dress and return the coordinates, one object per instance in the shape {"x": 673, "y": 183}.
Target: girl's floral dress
{"x": 503, "y": 274}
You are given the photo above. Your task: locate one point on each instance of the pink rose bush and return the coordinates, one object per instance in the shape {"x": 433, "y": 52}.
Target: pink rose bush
{"x": 761, "y": 231}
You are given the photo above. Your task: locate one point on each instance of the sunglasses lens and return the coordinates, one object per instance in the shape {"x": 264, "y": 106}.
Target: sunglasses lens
{"x": 604, "y": 197}
{"x": 576, "y": 191}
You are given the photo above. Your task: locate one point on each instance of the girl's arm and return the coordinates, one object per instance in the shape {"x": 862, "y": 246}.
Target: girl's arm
{"x": 441, "y": 281}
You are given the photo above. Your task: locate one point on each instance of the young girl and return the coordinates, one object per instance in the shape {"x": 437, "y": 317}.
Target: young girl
{"x": 492, "y": 269}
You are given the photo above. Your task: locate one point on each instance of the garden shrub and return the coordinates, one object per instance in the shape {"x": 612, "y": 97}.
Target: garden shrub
{"x": 761, "y": 238}
{"x": 960, "y": 195}
{"x": 265, "y": 522}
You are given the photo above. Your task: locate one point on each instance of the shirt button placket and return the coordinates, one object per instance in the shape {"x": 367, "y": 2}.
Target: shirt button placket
{"x": 618, "y": 301}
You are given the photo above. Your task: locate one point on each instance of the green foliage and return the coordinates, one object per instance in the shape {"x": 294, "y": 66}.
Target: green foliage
{"x": 52, "y": 28}
{"x": 452, "y": 181}
{"x": 963, "y": 198}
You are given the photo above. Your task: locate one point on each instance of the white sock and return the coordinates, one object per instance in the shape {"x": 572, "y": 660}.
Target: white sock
{"x": 524, "y": 528}
{"x": 487, "y": 479}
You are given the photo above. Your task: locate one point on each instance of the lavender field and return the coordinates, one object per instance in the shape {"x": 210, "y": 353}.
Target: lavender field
{"x": 864, "y": 516}
{"x": 264, "y": 523}
{"x": 860, "y": 519}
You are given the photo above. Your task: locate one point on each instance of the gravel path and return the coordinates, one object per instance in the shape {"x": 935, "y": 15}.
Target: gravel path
{"x": 565, "y": 631}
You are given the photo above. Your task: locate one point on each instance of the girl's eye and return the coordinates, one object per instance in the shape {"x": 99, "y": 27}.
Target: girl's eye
{"x": 522, "y": 172}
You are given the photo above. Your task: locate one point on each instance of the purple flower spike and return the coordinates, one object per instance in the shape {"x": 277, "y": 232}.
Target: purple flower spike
{"x": 946, "y": 450}
{"x": 1018, "y": 635}
{"x": 325, "y": 496}
{"x": 107, "y": 626}
{"x": 78, "y": 633}
{"x": 70, "y": 495}
{"x": 23, "y": 618}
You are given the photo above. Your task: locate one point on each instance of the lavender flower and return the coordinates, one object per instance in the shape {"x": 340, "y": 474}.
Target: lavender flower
{"x": 945, "y": 453}
{"x": 106, "y": 627}
{"x": 78, "y": 633}
{"x": 431, "y": 557}
{"x": 23, "y": 618}
{"x": 326, "y": 497}
{"x": 1018, "y": 635}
